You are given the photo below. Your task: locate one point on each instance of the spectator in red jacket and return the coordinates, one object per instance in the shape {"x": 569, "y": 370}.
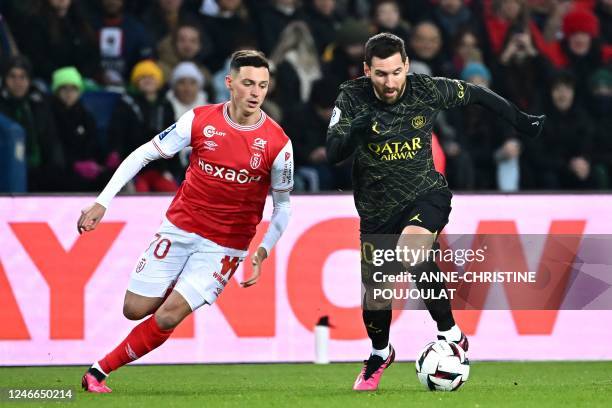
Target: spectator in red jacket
{"x": 512, "y": 16}
{"x": 520, "y": 69}
{"x": 581, "y": 50}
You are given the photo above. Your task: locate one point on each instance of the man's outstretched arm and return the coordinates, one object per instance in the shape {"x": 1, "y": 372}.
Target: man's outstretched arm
{"x": 166, "y": 144}
{"x": 281, "y": 183}
{"x": 453, "y": 92}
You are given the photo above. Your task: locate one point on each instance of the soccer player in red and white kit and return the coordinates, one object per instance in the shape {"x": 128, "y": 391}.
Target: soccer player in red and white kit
{"x": 238, "y": 153}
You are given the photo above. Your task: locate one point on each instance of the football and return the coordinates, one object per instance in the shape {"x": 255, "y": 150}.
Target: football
{"x": 442, "y": 366}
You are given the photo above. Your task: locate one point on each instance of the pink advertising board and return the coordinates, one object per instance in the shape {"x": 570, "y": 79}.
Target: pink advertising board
{"x": 61, "y": 294}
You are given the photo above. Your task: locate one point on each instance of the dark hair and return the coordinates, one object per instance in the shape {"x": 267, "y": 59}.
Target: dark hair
{"x": 187, "y": 23}
{"x": 248, "y": 58}
{"x": 384, "y": 45}
{"x": 457, "y": 39}
{"x": 17, "y": 61}
{"x": 563, "y": 77}
{"x": 194, "y": 25}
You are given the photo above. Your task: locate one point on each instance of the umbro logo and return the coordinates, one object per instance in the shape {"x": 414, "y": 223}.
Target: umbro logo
{"x": 210, "y": 145}
{"x": 536, "y": 123}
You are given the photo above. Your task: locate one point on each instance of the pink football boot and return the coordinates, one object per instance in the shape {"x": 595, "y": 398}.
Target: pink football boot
{"x": 91, "y": 384}
{"x": 372, "y": 371}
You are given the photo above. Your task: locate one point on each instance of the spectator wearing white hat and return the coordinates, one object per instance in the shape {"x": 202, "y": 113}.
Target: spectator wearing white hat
{"x": 186, "y": 90}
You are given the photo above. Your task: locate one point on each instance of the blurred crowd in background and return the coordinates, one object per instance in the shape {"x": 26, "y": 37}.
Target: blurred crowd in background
{"x": 91, "y": 80}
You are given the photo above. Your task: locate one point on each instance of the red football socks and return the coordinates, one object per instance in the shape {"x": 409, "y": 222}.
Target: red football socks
{"x": 142, "y": 339}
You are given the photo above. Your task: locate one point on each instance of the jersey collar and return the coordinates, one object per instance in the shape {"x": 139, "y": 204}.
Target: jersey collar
{"x": 236, "y": 126}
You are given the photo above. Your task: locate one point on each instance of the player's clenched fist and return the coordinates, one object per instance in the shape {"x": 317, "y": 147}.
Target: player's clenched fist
{"x": 90, "y": 217}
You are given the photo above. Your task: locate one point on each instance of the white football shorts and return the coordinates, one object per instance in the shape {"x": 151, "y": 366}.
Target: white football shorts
{"x": 196, "y": 267}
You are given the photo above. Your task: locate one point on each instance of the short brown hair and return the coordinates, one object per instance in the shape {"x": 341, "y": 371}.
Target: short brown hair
{"x": 248, "y": 58}
{"x": 383, "y": 46}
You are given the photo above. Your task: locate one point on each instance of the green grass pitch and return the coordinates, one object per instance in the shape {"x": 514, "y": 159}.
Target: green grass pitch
{"x": 491, "y": 384}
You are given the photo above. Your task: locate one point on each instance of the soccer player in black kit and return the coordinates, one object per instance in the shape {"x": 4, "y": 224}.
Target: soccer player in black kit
{"x": 385, "y": 118}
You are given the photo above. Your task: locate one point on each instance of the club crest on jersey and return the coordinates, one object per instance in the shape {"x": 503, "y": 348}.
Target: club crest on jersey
{"x": 210, "y": 145}
{"x": 165, "y": 132}
{"x": 259, "y": 144}
{"x": 418, "y": 122}
{"x": 255, "y": 160}
{"x": 210, "y": 131}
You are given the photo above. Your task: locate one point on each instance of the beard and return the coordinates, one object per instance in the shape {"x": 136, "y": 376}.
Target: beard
{"x": 390, "y": 95}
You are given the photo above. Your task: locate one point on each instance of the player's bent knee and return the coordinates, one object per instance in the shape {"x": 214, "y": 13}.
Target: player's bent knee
{"x": 172, "y": 311}
{"x": 168, "y": 319}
